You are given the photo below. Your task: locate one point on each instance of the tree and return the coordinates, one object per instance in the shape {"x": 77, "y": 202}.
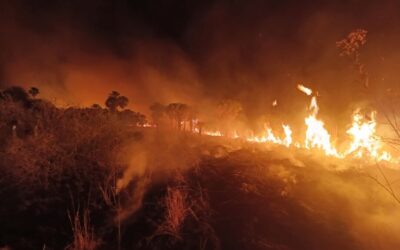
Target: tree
{"x": 350, "y": 47}
{"x": 16, "y": 94}
{"x": 200, "y": 126}
{"x": 115, "y": 100}
{"x": 33, "y": 91}
{"x": 191, "y": 117}
{"x": 229, "y": 109}
{"x": 131, "y": 117}
{"x": 157, "y": 112}
{"x": 96, "y": 106}
{"x": 228, "y": 113}
{"x": 177, "y": 112}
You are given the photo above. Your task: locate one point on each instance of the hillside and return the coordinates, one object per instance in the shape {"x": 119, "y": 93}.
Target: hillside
{"x": 94, "y": 178}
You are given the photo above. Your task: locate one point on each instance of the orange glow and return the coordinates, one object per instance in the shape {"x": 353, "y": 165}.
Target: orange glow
{"x": 213, "y": 133}
{"x": 316, "y": 135}
{"x": 304, "y": 89}
{"x": 364, "y": 143}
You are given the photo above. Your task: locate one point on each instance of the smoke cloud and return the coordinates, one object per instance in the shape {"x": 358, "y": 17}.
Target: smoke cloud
{"x": 252, "y": 51}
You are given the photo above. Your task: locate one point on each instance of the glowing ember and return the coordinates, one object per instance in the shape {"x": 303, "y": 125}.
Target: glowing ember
{"x": 147, "y": 125}
{"x": 213, "y": 133}
{"x": 304, "y": 89}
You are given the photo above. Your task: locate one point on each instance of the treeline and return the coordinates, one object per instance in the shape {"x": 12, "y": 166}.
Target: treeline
{"x": 57, "y": 163}
{"x": 226, "y": 117}
{"x": 23, "y": 114}
{"x": 60, "y": 169}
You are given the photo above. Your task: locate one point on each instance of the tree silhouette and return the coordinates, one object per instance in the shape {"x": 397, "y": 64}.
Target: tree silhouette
{"x": 131, "y": 117}
{"x": 115, "y": 100}
{"x": 33, "y": 91}
{"x": 229, "y": 109}
{"x": 200, "y": 126}
{"x": 96, "y": 106}
{"x": 177, "y": 112}
{"x": 228, "y": 112}
{"x": 16, "y": 94}
{"x": 157, "y": 112}
{"x": 350, "y": 47}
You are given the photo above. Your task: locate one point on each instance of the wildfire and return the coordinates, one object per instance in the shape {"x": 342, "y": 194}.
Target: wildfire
{"x": 364, "y": 141}
{"x": 304, "y": 89}
{"x": 316, "y": 135}
{"x": 213, "y": 133}
{"x": 270, "y": 137}
{"x": 288, "y": 135}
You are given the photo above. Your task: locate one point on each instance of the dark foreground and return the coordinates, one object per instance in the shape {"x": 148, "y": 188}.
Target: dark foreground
{"x": 200, "y": 196}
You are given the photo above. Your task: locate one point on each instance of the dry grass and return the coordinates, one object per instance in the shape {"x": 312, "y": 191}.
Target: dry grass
{"x": 177, "y": 209}
{"x": 83, "y": 235}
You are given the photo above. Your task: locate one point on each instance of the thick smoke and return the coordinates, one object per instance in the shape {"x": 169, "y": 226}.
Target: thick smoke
{"x": 198, "y": 53}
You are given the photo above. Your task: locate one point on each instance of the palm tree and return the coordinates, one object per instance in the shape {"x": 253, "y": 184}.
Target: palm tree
{"x": 33, "y": 91}
{"x": 115, "y": 100}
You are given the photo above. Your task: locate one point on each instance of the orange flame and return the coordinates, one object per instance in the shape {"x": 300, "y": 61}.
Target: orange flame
{"x": 304, "y": 89}
{"x": 364, "y": 141}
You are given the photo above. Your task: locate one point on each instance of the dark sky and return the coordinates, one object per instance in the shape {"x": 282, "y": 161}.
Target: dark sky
{"x": 197, "y": 51}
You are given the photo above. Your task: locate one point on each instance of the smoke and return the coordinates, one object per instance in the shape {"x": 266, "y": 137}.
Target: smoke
{"x": 198, "y": 53}
{"x": 72, "y": 63}
{"x": 150, "y": 161}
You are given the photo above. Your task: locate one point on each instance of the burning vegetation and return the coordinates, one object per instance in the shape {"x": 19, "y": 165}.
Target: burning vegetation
{"x": 176, "y": 163}
{"x": 108, "y": 178}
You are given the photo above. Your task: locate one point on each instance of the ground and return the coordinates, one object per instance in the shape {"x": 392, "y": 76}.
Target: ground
{"x": 183, "y": 191}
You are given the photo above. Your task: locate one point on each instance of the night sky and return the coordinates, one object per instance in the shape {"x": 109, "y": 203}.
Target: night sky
{"x": 197, "y": 52}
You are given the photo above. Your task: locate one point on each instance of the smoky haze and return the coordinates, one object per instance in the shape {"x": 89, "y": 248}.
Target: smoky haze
{"x": 198, "y": 52}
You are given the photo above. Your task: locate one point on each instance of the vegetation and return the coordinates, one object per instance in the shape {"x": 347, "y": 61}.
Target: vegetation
{"x": 95, "y": 178}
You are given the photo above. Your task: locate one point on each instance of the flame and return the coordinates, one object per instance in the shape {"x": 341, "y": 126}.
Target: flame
{"x": 288, "y": 135}
{"x": 314, "y": 106}
{"x": 316, "y": 134}
{"x": 146, "y": 125}
{"x": 213, "y": 133}
{"x": 364, "y": 143}
{"x": 304, "y": 89}
{"x": 318, "y": 137}
{"x": 270, "y": 137}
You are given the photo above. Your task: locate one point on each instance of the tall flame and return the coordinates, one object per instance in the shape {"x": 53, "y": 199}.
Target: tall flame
{"x": 364, "y": 141}
{"x": 304, "y": 89}
{"x": 288, "y": 135}
{"x": 316, "y": 134}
